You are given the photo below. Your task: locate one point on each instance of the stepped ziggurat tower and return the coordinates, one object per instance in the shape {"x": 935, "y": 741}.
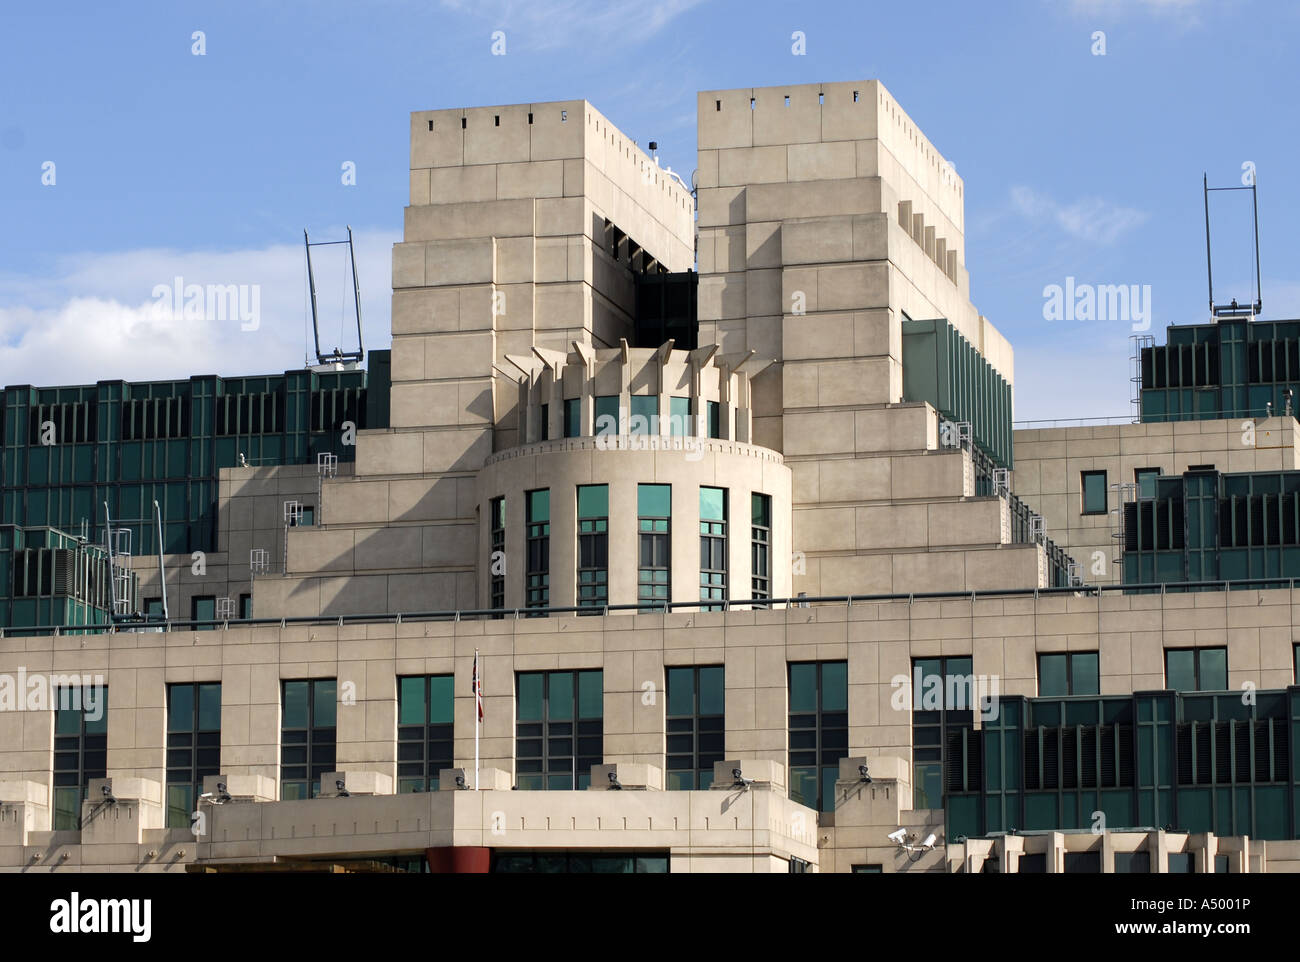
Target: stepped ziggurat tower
{"x": 713, "y": 490}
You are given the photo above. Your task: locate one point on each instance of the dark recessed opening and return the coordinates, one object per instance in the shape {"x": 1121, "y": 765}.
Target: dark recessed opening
{"x": 787, "y": 100}
{"x": 462, "y": 123}
{"x": 717, "y": 105}
{"x": 530, "y": 116}
{"x": 855, "y": 96}
{"x": 564, "y": 116}
{"x": 497, "y": 120}
{"x": 821, "y": 98}
{"x": 431, "y": 125}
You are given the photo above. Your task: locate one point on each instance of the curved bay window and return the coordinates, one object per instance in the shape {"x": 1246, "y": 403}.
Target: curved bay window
{"x": 538, "y": 573}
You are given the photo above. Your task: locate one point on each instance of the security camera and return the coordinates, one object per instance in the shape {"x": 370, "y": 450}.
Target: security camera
{"x": 222, "y": 794}
{"x": 460, "y": 782}
{"x": 740, "y": 781}
{"x": 898, "y": 837}
{"x": 613, "y": 782}
{"x": 343, "y": 792}
{"x": 866, "y": 778}
{"x": 929, "y": 842}
{"x": 109, "y": 797}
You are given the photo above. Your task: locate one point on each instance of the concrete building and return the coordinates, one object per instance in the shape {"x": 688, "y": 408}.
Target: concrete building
{"x": 736, "y": 555}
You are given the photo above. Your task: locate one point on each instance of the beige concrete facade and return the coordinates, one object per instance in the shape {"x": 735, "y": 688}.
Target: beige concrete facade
{"x": 824, "y": 220}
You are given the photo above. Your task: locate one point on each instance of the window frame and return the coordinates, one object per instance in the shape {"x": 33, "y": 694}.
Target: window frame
{"x": 821, "y": 730}
{"x": 1069, "y": 657}
{"x": 693, "y": 727}
{"x": 435, "y": 740}
{"x": 198, "y": 747}
{"x": 1198, "y": 667}
{"x": 85, "y": 742}
{"x": 590, "y": 728}
{"x": 714, "y": 541}
{"x": 1083, "y": 493}
{"x": 326, "y": 744}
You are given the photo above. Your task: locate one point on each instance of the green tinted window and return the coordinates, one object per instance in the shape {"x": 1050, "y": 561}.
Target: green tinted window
{"x": 835, "y": 685}
{"x": 593, "y": 501}
{"x": 712, "y": 694}
{"x": 713, "y": 503}
{"x": 1084, "y": 673}
{"x": 803, "y": 687}
{"x": 714, "y": 411}
{"x": 180, "y": 708}
{"x": 326, "y": 703}
{"x": 1213, "y": 669}
{"x": 681, "y": 691}
{"x": 539, "y": 506}
{"x": 1053, "y": 679}
{"x": 760, "y": 510}
{"x": 591, "y": 694}
{"x": 410, "y": 701}
{"x": 573, "y": 418}
{"x": 530, "y": 696}
{"x": 441, "y": 699}
{"x": 295, "y": 704}
{"x": 645, "y": 414}
{"x": 1146, "y": 481}
{"x": 210, "y": 707}
{"x": 654, "y": 500}
{"x": 679, "y": 411}
{"x": 1180, "y": 670}
{"x": 560, "y": 705}
{"x": 1094, "y": 492}
{"x": 606, "y": 411}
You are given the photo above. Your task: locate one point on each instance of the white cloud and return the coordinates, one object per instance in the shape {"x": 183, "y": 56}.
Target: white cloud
{"x": 1090, "y": 219}
{"x": 535, "y": 24}
{"x": 96, "y": 316}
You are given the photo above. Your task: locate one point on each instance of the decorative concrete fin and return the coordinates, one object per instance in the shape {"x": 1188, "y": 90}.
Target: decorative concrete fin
{"x": 507, "y": 375}
{"x": 622, "y": 347}
{"x": 552, "y": 359}
{"x": 529, "y": 365}
{"x": 585, "y": 352}
{"x": 701, "y": 355}
{"x": 731, "y": 363}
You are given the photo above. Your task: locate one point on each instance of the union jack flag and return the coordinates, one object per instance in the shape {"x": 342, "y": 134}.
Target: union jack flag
{"x": 478, "y": 688}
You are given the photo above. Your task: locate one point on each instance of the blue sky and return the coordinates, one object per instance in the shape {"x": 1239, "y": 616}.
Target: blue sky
{"x": 208, "y": 167}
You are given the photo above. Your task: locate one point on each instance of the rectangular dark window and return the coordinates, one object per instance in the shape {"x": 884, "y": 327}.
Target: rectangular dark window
{"x": 203, "y": 608}
{"x": 497, "y": 552}
{"x": 868, "y": 869}
{"x": 760, "y": 560}
{"x": 80, "y": 749}
{"x": 713, "y": 410}
{"x": 1181, "y": 863}
{"x": 424, "y": 731}
{"x": 560, "y": 862}
{"x": 573, "y": 418}
{"x": 654, "y": 519}
{"x": 606, "y": 414}
{"x": 593, "y": 545}
{"x": 1132, "y": 863}
{"x": 545, "y": 426}
{"x": 696, "y": 725}
{"x": 945, "y": 745}
{"x": 537, "y": 576}
{"x": 1093, "y": 485}
{"x": 153, "y": 609}
{"x": 308, "y": 725}
{"x": 246, "y": 606}
{"x": 1082, "y": 863}
{"x": 645, "y": 414}
{"x": 713, "y": 546}
{"x": 679, "y": 417}
{"x": 193, "y": 746}
{"x": 1146, "y": 481}
{"x": 1196, "y": 669}
{"x": 559, "y": 728}
{"x": 818, "y": 730}
{"x": 1068, "y": 673}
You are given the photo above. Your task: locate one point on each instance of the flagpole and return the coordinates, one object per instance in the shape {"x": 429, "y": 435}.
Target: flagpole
{"x": 478, "y": 719}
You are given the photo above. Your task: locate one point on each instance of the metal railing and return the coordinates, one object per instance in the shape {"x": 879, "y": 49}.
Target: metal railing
{"x": 661, "y": 607}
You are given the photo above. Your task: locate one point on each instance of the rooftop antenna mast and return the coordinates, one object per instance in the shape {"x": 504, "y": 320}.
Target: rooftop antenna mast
{"x": 338, "y": 355}
{"x": 1233, "y": 309}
